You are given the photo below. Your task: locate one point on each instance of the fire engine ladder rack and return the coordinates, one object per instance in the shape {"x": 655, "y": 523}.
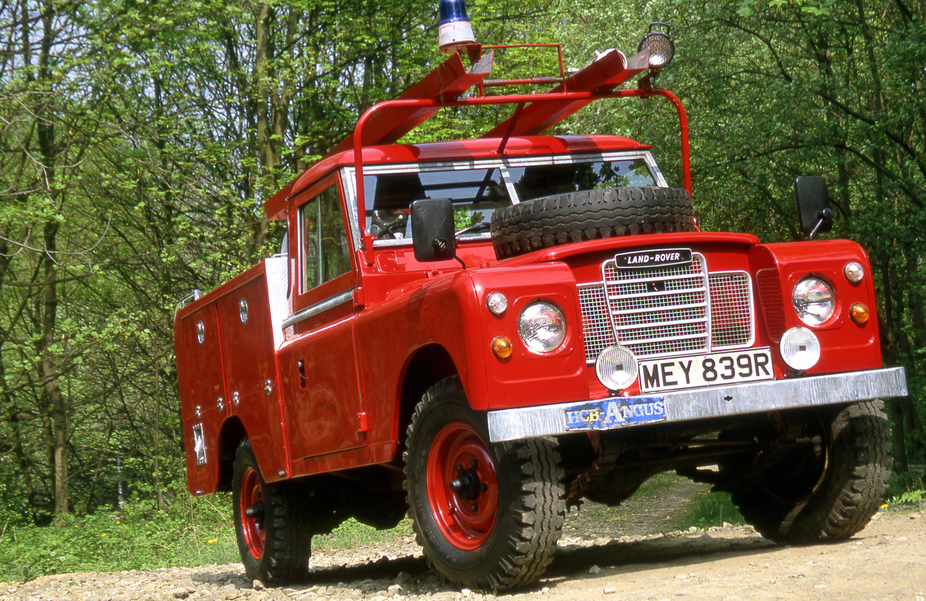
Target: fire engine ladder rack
{"x": 596, "y": 81}
{"x": 386, "y": 122}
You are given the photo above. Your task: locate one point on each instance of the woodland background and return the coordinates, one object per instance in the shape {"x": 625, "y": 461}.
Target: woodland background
{"x": 138, "y": 140}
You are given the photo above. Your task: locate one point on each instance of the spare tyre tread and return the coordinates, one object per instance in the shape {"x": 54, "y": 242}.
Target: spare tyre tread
{"x": 552, "y": 221}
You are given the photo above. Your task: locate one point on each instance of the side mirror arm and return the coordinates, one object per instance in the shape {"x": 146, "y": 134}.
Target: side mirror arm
{"x": 825, "y": 216}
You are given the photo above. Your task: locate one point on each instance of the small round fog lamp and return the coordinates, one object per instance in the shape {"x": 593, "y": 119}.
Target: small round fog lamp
{"x": 616, "y": 368}
{"x": 496, "y": 303}
{"x": 854, "y": 272}
{"x": 799, "y": 348}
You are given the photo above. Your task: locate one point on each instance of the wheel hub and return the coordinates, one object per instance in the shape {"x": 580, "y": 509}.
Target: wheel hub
{"x": 462, "y": 485}
{"x": 251, "y": 503}
{"x": 467, "y": 485}
{"x": 255, "y": 511}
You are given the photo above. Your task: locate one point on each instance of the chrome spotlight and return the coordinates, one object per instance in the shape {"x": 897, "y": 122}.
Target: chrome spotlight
{"x": 660, "y": 45}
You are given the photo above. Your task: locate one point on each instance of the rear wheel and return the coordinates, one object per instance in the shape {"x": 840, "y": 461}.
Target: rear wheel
{"x": 827, "y": 494}
{"x": 271, "y": 524}
{"x": 487, "y": 515}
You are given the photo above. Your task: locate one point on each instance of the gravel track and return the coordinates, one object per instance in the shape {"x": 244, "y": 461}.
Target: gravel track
{"x": 629, "y": 552}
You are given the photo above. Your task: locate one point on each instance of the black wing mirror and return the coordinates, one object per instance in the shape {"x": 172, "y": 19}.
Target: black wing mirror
{"x": 432, "y": 230}
{"x": 813, "y": 205}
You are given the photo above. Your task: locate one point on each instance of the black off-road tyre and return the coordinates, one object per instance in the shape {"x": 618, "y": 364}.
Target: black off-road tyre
{"x": 499, "y": 527}
{"x": 576, "y": 216}
{"x": 841, "y": 498}
{"x": 276, "y": 544}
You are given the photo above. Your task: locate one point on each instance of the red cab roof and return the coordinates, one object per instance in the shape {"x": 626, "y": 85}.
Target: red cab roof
{"x": 483, "y": 148}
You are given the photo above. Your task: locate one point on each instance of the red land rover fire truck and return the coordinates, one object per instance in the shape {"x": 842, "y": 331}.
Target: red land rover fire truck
{"x": 479, "y": 333}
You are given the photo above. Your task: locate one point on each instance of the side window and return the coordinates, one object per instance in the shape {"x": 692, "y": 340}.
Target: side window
{"x": 325, "y": 247}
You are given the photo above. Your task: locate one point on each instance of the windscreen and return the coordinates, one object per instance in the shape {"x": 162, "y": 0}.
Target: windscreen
{"x": 546, "y": 180}
{"x": 476, "y": 191}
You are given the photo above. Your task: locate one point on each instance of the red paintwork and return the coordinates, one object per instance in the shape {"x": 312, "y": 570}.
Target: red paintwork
{"x": 465, "y": 523}
{"x": 234, "y": 357}
{"x": 255, "y": 536}
{"x": 344, "y": 407}
{"x": 852, "y": 346}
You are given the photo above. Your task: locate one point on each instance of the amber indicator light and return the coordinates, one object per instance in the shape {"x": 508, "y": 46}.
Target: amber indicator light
{"x": 860, "y": 313}
{"x": 502, "y": 347}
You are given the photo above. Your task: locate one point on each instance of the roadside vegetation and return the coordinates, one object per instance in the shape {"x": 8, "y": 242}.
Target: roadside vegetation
{"x": 137, "y": 141}
{"x": 199, "y": 532}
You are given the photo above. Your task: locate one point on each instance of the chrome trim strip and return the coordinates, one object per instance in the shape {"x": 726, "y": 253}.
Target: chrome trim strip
{"x": 720, "y": 401}
{"x": 317, "y": 308}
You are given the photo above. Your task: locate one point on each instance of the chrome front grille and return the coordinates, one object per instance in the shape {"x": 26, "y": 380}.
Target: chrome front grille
{"x": 731, "y": 310}
{"x": 677, "y": 309}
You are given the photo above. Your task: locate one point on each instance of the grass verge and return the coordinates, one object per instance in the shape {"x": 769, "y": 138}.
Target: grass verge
{"x": 711, "y": 510}
{"x": 200, "y": 532}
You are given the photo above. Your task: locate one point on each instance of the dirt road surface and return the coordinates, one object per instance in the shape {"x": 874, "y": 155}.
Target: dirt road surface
{"x": 605, "y": 554}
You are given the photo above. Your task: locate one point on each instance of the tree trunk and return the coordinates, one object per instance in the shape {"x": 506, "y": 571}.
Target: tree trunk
{"x": 48, "y": 310}
{"x": 48, "y": 373}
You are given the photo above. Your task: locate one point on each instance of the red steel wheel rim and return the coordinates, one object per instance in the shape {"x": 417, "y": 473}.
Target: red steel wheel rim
{"x": 251, "y": 493}
{"x": 465, "y": 518}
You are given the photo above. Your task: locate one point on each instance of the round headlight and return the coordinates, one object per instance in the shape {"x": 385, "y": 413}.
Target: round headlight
{"x": 799, "y": 348}
{"x": 616, "y": 368}
{"x": 542, "y": 327}
{"x": 814, "y": 301}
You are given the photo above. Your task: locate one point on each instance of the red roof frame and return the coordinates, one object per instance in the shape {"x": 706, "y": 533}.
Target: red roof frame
{"x": 386, "y": 122}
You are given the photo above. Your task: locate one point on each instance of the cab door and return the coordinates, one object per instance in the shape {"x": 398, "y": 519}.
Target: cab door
{"x": 318, "y": 365}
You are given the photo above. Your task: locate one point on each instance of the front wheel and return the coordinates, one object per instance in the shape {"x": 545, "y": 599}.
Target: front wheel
{"x": 487, "y": 515}
{"x": 829, "y": 495}
{"x": 271, "y": 524}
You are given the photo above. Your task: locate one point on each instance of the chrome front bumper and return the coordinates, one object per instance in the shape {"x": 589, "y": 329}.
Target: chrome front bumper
{"x": 719, "y": 401}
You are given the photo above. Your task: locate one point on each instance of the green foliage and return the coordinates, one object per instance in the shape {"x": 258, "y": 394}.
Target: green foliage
{"x": 711, "y": 510}
{"x": 912, "y": 497}
{"x": 906, "y": 485}
{"x": 139, "y": 140}
{"x": 195, "y": 532}
{"x": 352, "y": 534}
